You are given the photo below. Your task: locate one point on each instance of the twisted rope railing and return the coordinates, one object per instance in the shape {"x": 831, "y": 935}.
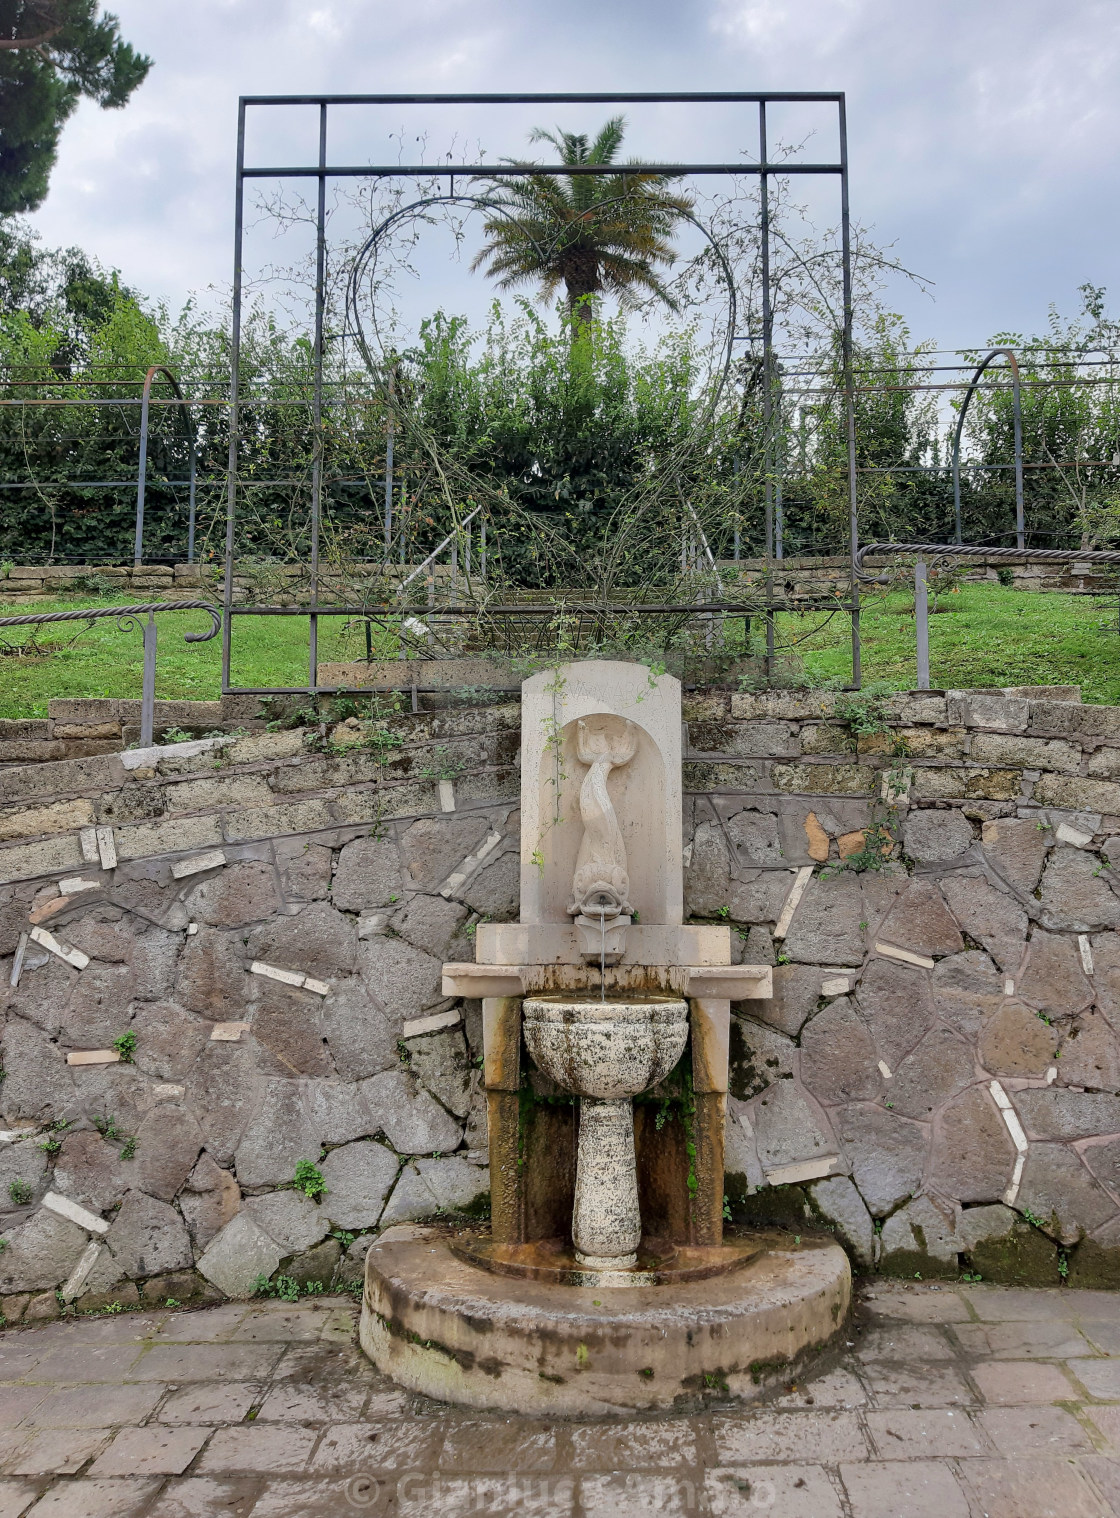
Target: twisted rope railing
{"x": 965, "y": 550}
{"x": 127, "y": 618}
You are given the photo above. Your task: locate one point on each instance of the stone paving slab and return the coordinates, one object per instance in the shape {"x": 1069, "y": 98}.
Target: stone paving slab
{"x": 944, "y": 1402}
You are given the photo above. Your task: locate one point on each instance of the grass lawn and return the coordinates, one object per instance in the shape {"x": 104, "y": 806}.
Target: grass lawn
{"x": 101, "y": 660}
{"x": 983, "y": 635}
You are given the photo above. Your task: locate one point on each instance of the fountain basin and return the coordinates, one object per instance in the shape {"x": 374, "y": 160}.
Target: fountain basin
{"x": 441, "y": 1326}
{"x": 608, "y": 1049}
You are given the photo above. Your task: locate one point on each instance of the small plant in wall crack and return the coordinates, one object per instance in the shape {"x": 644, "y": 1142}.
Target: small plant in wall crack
{"x": 309, "y": 1179}
{"x": 128, "y": 1152}
{"x": 125, "y": 1045}
{"x": 107, "y": 1127}
{"x": 20, "y": 1192}
{"x": 51, "y": 1144}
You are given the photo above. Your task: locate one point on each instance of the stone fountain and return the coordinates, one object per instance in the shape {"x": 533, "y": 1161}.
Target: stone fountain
{"x": 604, "y": 1281}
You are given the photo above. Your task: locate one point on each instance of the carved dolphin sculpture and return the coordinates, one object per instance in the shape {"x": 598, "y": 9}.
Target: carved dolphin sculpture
{"x": 601, "y": 885}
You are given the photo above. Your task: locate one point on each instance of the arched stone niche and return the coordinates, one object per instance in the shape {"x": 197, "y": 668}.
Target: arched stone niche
{"x": 646, "y": 791}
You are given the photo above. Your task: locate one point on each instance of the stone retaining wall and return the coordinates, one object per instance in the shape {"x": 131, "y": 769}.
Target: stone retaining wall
{"x": 937, "y": 1077}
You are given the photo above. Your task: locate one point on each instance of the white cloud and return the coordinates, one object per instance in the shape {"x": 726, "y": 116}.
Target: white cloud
{"x": 982, "y": 135}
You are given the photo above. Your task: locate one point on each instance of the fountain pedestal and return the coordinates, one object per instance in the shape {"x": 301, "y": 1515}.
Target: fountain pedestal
{"x": 606, "y": 1053}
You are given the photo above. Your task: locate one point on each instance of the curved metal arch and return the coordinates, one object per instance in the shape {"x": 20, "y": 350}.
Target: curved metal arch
{"x": 369, "y": 248}
{"x": 1020, "y": 524}
{"x": 367, "y": 253}
{"x": 142, "y": 474}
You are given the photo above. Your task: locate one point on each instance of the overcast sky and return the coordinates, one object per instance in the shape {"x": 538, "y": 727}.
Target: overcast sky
{"x": 983, "y": 133}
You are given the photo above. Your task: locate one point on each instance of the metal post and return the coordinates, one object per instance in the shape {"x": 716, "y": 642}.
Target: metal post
{"x": 778, "y": 514}
{"x": 191, "y": 501}
{"x": 390, "y": 429}
{"x": 482, "y": 550}
{"x": 234, "y": 396}
{"x": 317, "y": 400}
{"x": 767, "y": 380}
{"x": 737, "y": 467}
{"x": 849, "y": 395}
{"x": 1020, "y": 519}
{"x": 148, "y": 689}
{"x": 921, "y": 622}
{"x": 142, "y": 472}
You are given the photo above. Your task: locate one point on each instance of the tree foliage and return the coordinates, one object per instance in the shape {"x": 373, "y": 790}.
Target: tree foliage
{"x": 52, "y": 54}
{"x": 590, "y": 233}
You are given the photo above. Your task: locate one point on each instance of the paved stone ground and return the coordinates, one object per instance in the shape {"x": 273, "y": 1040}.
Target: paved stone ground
{"x": 949, "y": 1402}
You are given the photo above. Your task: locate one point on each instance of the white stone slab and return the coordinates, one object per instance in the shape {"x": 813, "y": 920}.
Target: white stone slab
{"x": 418, "y": 1025}
{"x": 447, "y": 795}
{"x": 17, "y": 960}
{"x": 74, "y": 885}
{"x": 227, "y": 1033}
{"x": 645, "y": 792}
{"x": 107, "y": 848}
{"x": 320, "y": 987}
{"x": 148, "y": 758}
{"x": 482, "y": 980}
{"x": 87, "y": 840}
{"x": 168, "y": 1093}
{"x": 840, "y": 985}
{"x": 199, "y": 862}
{"x": 80, "y": 1274}
{"x": 1065, "y": 834}
{"x": 736, "y": 982}
{"x": 63, "y": 1207}
{"x": 192, "y": 929}
{"x": 93, "y": 1057}
{"x": 48, "y": 941}
{"x": 793, "y": 901}
{"x": 892, "y": 951}
{"x": 1009, "y": 987}
{"x": 468, "y": 866}
{"x": 1011, "y": 1194}
{"x": 272, "y": 972}
{"x": 884, "y": 1070}
{"x": 1086, "y": 949}
{"x": 802, "y": 1170}
{"x": 375, "y": 924}
{"x": 1010, "y": 1117}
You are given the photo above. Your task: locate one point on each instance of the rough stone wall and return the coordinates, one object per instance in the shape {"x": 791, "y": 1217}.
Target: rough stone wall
{"x": 267, "y": 924}
{"x": 937, "y": 1077}
{"x": 938, "y": 1074}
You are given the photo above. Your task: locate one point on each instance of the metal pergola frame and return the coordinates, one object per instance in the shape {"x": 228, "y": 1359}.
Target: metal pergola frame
{"x": 324, "y": 170}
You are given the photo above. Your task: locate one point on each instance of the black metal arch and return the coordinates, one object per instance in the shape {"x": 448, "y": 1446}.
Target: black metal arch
{"x": 142, "y": 474}
{"x": 1020, "y": 522}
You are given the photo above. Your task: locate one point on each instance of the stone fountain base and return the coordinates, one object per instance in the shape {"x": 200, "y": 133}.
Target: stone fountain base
{"x": 460, "y": 1333}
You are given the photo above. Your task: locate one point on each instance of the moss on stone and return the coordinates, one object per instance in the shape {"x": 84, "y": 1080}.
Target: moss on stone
{"x": 747, "y": 1072}
{"x": 911, "y": 1263}
{"x": 770, "y": 1207}
{"x": 1095, "y": 1266}
{"x": 1023, "y": 1257}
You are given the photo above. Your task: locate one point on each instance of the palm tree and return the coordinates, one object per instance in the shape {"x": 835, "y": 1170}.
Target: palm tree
{"x": 592, "y": 233}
